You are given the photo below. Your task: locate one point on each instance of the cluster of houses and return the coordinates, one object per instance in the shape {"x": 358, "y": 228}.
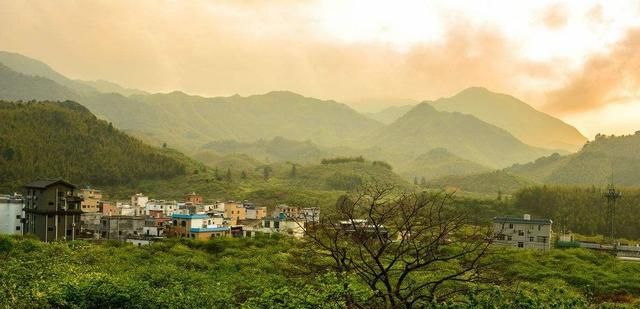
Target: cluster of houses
{"x": 55, "y": 210}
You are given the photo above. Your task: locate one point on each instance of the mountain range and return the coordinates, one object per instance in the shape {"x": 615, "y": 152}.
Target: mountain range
{"x": 468, "y": 133}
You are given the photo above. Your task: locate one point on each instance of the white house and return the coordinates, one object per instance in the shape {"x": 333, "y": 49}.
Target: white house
{"x": 11, "y": 214}
{"x": 522, "y": 232}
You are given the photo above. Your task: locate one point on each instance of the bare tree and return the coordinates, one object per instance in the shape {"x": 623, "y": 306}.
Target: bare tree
{"x": 410, "y": 249}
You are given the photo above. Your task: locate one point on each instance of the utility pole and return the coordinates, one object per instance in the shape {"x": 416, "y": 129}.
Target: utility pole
{"x": 612, "y": 195}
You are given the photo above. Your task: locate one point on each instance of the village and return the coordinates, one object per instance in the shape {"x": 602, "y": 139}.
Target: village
{"x": 56, "y": 210}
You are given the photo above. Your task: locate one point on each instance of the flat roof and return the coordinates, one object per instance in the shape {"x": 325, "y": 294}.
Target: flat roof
{"x": 193, "y": 216}
{"x": 209, "y": 229}
{"x": 521, "y": 220}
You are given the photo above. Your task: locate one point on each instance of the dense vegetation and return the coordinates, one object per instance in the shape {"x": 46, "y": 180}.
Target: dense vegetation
{"x": 438, "y": 163}
{"x": 594, "y": 164}
{"x": 492, "y": 182}
{"x": 273, "y": 273}
{"x": 582, "y": 210}
{"x": 63, "y": 139}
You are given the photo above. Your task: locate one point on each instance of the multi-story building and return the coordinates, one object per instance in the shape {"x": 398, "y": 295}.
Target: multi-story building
{"x": 11, "y": 214}
{"x": 234, "y": 212}
{"x": 139, "y": 200}
{"x": 52, "y": 210}
{"x": 194, "y": 199}
{"x": 168, "y": 208}
{"x": 90, "y": 199}
{"x": 121, "y": 227}
{"x": 254, "y": 212}
{"x": 285, "y": 211}
{"x": 522, "y": 232}
{"x": 197, "y": 225}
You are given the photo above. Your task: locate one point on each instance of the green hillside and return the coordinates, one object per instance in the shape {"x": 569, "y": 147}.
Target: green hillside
{"x": 277, "y": 149}
{"x": 516, "y": 117}
{"x": 51, "y": 140}
{"x": 424, "y": 128}
{"x": 439, "y": 162}
{"x": 15, "y": 86}
{"x": 594, "y": 164}
{"x": 491, "y": 182}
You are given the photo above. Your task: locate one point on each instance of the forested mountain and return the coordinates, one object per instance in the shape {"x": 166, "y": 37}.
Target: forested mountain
{"x": 390, "y": 114}
{"x": 495, "y": 182}
{"x": 437, "y": 163}
{"x": 594, "y": 164}
{"x": 35, "y": 68}
{"x": 15, "y": 86}
{"x": 63, "y": 139}
{"x": 274, "y": 150}
{"x": 516, "y": 117}
{"x": 424, "y": 128}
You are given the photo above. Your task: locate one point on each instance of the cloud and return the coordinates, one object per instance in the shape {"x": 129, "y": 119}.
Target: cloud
{"x": 554, "y": 17}
{"x": 609, "y": 78}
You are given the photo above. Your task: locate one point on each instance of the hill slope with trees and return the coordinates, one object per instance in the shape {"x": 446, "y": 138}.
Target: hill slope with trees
{"x": 63, "y": 139}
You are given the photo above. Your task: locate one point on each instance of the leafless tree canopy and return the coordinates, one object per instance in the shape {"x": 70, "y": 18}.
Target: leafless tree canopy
{"x": 409, "y": 248}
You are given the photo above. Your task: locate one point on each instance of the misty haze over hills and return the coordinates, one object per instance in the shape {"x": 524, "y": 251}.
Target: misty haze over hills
{"x": 469, "y": 133}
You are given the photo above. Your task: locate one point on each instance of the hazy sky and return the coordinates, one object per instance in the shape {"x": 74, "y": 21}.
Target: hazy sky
{"x": 578, "y": 60}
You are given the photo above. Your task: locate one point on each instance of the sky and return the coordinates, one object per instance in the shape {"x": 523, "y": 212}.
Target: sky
{"x": 576, "y": 60}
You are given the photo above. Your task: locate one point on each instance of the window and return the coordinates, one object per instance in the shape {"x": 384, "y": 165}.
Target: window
{"x": 520, "y": 233}
{"x": 50, "y": 229}
{"x": 510, "y": 225}
{"x": 50, "y": 203}
{"x": 520, "y": 244}
{"x": 18, "y": 217}
{"x": 531, "y": 238}
{"x": 17, "y": 228}
{"x": 276, "y": 224}
{"x": 500, "y": 237}
{"x": 509, "y": 238}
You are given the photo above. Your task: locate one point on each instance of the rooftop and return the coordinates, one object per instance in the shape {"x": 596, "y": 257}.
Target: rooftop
{"x": 193, "y": 216}
{"x": 209, "y": 229}
{"x": 45, "y": 183}
{"x": 521, "y": 220}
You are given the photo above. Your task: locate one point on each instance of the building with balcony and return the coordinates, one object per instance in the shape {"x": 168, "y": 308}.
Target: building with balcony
{"x": 52, "y": 210}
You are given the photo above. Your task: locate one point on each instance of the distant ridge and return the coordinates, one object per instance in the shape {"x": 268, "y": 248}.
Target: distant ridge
{"x": 520, "y": 119}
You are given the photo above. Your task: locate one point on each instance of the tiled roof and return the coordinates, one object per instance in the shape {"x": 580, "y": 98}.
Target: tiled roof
{"x": 45, "y": 183}
{"x": 520, "y": 220}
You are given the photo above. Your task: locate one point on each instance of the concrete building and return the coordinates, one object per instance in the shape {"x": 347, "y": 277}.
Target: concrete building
{"x": 183, "y": 223}
{"x": 139, "y": 200}
{"x": 209, "y": 232}
{"x": 285, "y": 211}
{"x": 11, "y": 214}
{"x": 90, "y": 199}
{"x": 194, "y": 199}
{"x": 90, "y": 224}
{"x": 522, "y": 232}
{"x": 234, "y": 212}
{"x": 121, "y": 227}
{"x": 168, "y": 208}
{"x": 284, "y": 226}
{"x": 254, "y": 212}
{"x": 52, "y": 210}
